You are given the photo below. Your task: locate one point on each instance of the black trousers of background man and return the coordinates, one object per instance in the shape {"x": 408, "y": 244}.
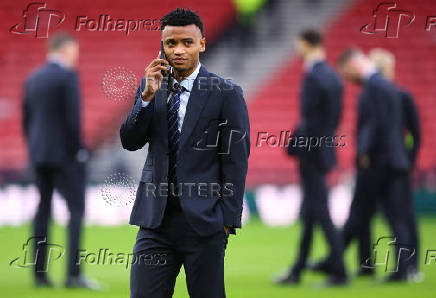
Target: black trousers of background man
{"x": 412, "y": 223}
{"x": 69, "y": 180}
{"x": 389, "y": 189}
{"x": 363, "y": 206}
{"x": 159, "y": 254}
{"x": 314, "y": 210}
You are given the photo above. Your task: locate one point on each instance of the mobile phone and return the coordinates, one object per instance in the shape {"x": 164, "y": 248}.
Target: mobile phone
{"x": 163, "y": 56}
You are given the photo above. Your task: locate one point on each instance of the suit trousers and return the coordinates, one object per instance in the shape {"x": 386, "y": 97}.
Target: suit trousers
{"x": 392, "y": 191}
{"x": 159, "y": 254}
{"x": 314, "y": 210}
{"x": 363, "y": 206}
{"x": 70, "y": 181}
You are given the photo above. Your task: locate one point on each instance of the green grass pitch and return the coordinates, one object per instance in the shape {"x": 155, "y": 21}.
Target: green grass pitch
{"x": 253, "y": 257}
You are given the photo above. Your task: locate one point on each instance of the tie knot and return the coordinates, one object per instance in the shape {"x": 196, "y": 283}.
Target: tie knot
{"x": 179, "y": 88}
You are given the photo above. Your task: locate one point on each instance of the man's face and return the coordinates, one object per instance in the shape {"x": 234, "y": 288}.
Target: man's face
{"x": 301, "y": 47}
{"x": 183, "y": 45}
{"x": 70, "y": 51}
{"x": 351, "y": 72}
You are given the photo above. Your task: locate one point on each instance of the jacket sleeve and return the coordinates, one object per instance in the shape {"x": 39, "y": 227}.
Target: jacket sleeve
{"x": 235, "y": 149}
{"x": 311, "y": 107}
{"x": 25, "y": 112}
{"x": 411, "y": 120}
{"x": 135, "y": 130}
{"x": 367, "y": 127}
{"x": 72, "y": 113}
{"x": 310, "y": 125}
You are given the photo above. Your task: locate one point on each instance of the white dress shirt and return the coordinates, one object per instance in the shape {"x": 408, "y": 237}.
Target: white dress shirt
{"x": 188, "y": 83}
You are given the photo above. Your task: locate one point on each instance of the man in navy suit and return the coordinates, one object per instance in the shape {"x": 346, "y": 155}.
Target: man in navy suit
{"x": 51, "y": 124}
{"x": 382, "y": 159}
{"x": 192, "y": 184}
{"x": 385, "y": 63}
{"x": 321, "y": 105}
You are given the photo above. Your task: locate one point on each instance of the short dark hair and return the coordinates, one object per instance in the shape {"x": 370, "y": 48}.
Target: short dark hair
{"x": 312, "y": 37}
{"x": 347, "y": 55}
{"x": 60, "y": 39}
{"x": 182, "y": 17}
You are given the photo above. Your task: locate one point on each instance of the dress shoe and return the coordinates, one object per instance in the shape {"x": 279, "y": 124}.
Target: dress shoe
{"x": 336, "y": 281}
{"x": 322, "y": 267}
{"x": 365, "y": 272}
{"x": 43, "y": 282}
{"x": 414, "y": 275}
{"x": 287, "y": 279}
{"x": 81, "y": 282}
{"x": 395, "y": 277}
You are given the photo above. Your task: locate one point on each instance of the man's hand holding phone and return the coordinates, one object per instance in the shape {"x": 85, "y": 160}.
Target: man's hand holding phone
{"x": 154, "y": 77}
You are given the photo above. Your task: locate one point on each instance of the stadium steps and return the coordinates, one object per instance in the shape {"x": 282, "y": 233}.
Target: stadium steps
{"x": 275, "y": 31}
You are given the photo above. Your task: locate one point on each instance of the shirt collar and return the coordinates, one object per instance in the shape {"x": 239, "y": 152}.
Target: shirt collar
{"x": 56, "y": 60}
{"x": 188, "y": 82}
{"x": 309, "y": 64}
{"x": 372, "y": 71}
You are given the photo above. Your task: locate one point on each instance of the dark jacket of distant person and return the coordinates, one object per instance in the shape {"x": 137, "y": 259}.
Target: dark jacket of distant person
{"x": 411, "y": 124}
{"x": 321, "y": 107}
{"x": 380, "y": 127}
{"x": 51, "y": 115}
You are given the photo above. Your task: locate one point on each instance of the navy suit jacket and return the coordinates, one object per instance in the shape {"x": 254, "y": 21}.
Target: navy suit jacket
{"x": 51, "y": 115}
{"x": 213, "y": 149}
{"x": 321, "y": 106}
{"x": 380, "y": 127}
{"x": 411, "y": 123}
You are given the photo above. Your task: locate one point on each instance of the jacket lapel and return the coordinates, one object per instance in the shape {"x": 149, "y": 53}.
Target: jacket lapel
{"x": 197, "y": 100}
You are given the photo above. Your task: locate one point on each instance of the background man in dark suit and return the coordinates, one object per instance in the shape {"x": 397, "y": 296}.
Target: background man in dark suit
{"x": 385, "y": 63}
{"x": 321, "y": 95}
{"x": 382, "y": 160}
{"x": 51, "y": 123}
{"x": 193, "y": 180}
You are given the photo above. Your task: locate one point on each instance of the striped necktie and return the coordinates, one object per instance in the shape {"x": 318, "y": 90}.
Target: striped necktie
{"x": 173, "y": 131}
